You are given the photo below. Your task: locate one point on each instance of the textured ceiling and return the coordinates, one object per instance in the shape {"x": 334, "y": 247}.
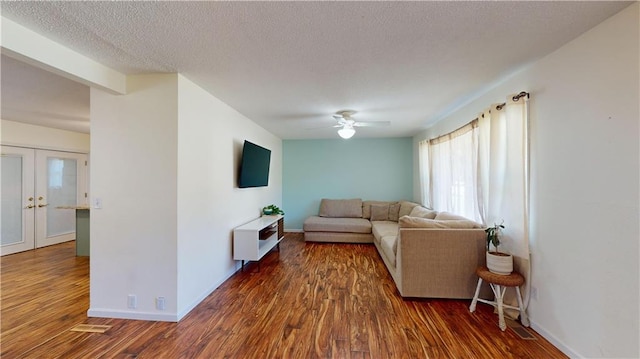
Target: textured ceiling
{"x": 289, "y": 65}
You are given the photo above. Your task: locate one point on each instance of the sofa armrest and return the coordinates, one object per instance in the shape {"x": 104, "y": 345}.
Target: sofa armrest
{"x": 439, "y": 263}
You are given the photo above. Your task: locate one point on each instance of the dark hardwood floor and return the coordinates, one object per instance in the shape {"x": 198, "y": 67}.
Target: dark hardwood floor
{"x": 308, "y": 301}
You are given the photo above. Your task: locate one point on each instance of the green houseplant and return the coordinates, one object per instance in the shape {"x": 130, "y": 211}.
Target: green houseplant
{"x": 493, "y": 236}
{"x": 272, "y": 210}
{"x": 497, "y": 262}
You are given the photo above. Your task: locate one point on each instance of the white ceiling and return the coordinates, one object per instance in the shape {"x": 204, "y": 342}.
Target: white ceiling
{"x": 289, "y": 65}
{"x": 39, "y": 97}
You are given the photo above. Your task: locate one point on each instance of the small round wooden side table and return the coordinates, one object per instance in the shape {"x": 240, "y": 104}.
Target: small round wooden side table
{"x": 499, "y": 284}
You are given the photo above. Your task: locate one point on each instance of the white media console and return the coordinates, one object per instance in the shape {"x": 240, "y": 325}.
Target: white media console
{"x": 253, "y": 240}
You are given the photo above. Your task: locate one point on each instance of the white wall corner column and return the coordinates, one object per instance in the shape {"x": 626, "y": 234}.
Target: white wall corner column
{"x": 164, "y": 166}
{"x": 134, "y": 175}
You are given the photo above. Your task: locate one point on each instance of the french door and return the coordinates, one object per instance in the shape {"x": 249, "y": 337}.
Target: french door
{"x": 39, "y": 188}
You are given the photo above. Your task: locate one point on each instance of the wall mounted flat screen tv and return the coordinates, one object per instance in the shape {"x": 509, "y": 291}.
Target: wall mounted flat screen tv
{"x": 254, "y": 166}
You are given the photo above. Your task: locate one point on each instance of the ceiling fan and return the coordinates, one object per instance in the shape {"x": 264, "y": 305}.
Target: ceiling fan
{"x": 346, "y": 123}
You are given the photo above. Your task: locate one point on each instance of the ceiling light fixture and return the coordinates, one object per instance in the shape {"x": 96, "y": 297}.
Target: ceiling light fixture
{"x": 346, "y": 132}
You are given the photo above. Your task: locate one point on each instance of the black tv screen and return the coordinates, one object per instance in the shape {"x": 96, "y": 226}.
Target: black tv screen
{"x": 254, "y": 166}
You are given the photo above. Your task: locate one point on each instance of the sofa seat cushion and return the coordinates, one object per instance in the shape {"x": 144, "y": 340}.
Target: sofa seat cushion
{"x": 389, "y": 246}
{"x": 382, "y": 229}
{"x": 340, "y": 225}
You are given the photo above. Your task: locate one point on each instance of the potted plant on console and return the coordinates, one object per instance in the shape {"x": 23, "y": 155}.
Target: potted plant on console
{"x": 272, "y": 210}
{"x": 497, "y": 262}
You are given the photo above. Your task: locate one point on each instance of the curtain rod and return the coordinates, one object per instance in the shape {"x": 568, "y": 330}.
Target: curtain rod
{"x": 514, "y": 98}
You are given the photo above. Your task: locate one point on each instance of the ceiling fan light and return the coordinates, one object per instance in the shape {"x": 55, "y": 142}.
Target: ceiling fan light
{"x": 346, "y": 132}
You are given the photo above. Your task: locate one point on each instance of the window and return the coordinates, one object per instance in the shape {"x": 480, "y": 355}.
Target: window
{"x": 449, "y": 172}
{"x": 56, "y": 172}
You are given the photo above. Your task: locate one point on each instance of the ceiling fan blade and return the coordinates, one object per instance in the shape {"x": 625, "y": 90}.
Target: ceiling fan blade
{"x": 321, "y": 127}
{"x": 371, "y": 123}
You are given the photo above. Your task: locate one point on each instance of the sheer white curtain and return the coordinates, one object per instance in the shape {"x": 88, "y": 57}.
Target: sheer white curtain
{"x": 481, "y": 171}
{"x": 425, "y": 182}
{"x": 451, "y": 178}
{"x": 504, "y": 172}
{"x": 504, "y": 164}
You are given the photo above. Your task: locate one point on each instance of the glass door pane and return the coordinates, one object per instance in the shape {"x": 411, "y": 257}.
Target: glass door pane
{"x": 60, "y": 188}
{"x": 17, "y": 226}
{"x": 12, "y": 222}
{"x": 62, "y": 182}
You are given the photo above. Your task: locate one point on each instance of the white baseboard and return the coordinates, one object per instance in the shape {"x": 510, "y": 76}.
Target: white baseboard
{"x": 295, "y": 230}
{"x": 162, "y": 317}
{"x": 206, "y": 293}
{"x": 109, "y": 313}
{"x": 555, "y": 341}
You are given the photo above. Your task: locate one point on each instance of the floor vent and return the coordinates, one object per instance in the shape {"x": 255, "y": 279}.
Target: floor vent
{"x": 521, "y": 331}
{"x": 90, "y": 328}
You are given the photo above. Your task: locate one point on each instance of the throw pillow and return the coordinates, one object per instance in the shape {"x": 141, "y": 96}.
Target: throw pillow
{"x": 379, "y": 212}
{"x": 394, "y": 211}
{"x": 337, "y": 208}
{"x": 405, "y": 208}
{"x": 446, "y": 216}
{"x": 419, "y": 211}
{"x": 366, "y": 207}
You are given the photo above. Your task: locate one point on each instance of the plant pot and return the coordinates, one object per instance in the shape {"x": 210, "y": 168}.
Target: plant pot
{"x": 267, "y": 212}
{"x": 500, "y": 263}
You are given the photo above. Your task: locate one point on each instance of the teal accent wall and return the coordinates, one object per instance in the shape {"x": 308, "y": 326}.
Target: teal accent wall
{"x": 376, "y": 169}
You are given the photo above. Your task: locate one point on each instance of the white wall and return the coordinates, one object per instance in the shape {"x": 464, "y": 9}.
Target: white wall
{"x": 134, "y": 149}
{"x": 26, "y": 135}
{"x": 210, "y": 138}
{"x": 584, "y": 114}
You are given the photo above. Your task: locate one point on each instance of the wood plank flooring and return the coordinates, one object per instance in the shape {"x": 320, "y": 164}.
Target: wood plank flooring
{"x": 309, "y": 300}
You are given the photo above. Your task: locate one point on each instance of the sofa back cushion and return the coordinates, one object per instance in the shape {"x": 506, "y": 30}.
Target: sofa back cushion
{"x": 345, "y": 208}
{"x": 416, "y": 222}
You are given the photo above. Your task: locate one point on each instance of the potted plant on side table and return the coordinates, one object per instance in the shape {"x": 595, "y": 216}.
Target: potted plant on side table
{"x": 272, "y": 210}
{"x": 497, "y": 262}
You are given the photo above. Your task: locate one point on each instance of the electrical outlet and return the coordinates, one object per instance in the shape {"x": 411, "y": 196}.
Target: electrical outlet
{"x": 160, "y": 303}
{"x": 534, "y": 293}
{"x": 132, "y": 301}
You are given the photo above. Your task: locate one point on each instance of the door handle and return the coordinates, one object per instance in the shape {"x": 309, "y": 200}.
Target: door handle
{"x": 43, "y": 205}
{"x": 29, "y": 206}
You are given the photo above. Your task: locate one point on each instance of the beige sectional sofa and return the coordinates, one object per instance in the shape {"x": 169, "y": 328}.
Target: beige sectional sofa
{"x": 428, "y": 254}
